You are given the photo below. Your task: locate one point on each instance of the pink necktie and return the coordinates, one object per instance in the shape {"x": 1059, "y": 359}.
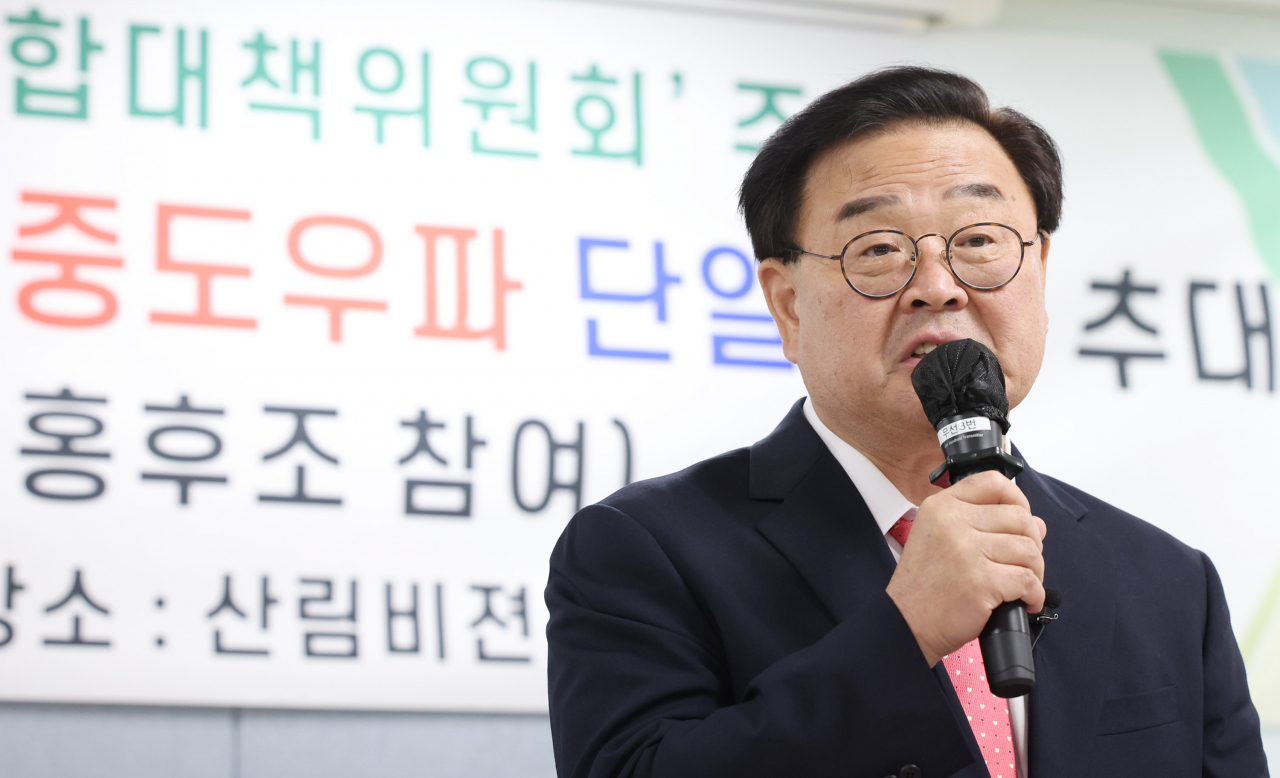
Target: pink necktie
{"x": 988, "y": 714}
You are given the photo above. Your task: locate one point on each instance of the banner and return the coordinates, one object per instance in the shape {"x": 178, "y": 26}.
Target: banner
{"x": 319, "y": 323}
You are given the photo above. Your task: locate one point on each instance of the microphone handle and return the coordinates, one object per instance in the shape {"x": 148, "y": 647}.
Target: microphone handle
{"x": 1006, "y": 639}
{"x": 1006, "y": 650}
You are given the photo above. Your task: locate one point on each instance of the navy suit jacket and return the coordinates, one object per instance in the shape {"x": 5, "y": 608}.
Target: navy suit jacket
{"x": 731, "y": 621}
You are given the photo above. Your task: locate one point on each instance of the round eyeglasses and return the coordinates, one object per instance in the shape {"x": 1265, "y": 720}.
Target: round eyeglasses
{"x": 881, "y": 263}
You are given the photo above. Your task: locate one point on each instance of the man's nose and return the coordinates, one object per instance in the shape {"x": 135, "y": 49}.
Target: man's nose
{"x": 934, "y": 287}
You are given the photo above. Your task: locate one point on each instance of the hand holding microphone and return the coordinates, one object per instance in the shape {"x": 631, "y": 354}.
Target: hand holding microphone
{"x": 974, "y": 563}
{"x": 973, "y": 548}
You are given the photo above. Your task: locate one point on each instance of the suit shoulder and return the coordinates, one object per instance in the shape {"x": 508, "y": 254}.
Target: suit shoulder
{"x": 645, "y": 532}
{"x": 711, "y": 480}
{"x": 1133, "y": 537}
{"x": 699, "y": 507}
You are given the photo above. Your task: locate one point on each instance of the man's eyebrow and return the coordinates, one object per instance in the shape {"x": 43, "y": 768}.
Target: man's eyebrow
{"x": 865, "y": 204}
{"x": 974, "y": 190}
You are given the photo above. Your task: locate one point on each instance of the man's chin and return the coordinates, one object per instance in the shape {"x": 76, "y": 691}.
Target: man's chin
{"x": 902, "y": 404}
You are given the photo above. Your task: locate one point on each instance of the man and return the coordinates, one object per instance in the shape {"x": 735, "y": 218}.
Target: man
{"x": 809, "y": 606}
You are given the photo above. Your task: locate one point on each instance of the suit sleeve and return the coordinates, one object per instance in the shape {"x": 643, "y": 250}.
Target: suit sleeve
{"x": 638, "y": 685}
{"x": 1232, "y": 739}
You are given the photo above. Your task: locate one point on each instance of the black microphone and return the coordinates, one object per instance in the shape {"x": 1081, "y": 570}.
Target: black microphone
{"x": 1052, "y": 598}
{"x": 961, "y": 386}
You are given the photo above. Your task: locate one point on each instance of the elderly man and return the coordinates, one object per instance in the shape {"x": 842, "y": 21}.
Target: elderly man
{"x": 809, "y": 606}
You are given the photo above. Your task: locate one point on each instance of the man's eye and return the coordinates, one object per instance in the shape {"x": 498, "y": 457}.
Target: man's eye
{"x": 882, "y": 250}
{"x": 977, "y": 241}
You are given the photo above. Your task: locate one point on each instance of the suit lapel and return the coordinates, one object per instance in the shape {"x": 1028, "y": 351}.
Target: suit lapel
{"x": 821, "y": 524}
{"x": 827, "y": 533}
{"x": 1072, "y": 654}
{"x": 825, "y": 530}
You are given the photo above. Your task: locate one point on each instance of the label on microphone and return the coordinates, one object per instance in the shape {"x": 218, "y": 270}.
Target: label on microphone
{"x": 961, "y": 426}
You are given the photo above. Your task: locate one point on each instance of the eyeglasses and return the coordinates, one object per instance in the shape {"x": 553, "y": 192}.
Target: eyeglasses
{"x": 881, "y": 263}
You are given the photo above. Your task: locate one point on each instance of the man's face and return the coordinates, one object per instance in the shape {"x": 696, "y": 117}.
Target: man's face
{"x": 856, "y": 354}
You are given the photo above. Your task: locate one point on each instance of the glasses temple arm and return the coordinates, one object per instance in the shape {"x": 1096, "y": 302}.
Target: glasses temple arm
{"x": 820, "y": 256}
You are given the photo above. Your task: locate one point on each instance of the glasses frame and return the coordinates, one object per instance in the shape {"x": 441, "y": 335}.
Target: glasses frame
{"x": 915, "y": 258}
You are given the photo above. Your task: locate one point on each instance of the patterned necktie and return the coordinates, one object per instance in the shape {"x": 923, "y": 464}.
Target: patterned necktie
{"x": 988, "y": 714}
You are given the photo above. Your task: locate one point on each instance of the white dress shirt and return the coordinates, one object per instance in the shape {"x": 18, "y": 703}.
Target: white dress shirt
{"x": 887, "y": 505}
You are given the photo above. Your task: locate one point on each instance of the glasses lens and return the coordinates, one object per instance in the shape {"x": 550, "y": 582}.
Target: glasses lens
{"x": 986, "y": 255}
{"x": 879, "y": 263}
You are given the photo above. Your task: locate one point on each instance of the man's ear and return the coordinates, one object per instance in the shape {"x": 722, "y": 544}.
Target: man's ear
{"x": 1044, "y": 274}
{"x": 778, "y": 282}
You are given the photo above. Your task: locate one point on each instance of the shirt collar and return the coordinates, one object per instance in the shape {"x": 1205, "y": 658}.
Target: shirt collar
{"x": 886, "y": 503}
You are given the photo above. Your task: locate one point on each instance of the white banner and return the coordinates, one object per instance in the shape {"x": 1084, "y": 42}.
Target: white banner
{"x": 319, "y": 323}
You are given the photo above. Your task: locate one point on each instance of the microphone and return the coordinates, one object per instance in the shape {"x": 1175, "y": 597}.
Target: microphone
{"x": 961, "y": 386}
{"x": 1052, "y": 598}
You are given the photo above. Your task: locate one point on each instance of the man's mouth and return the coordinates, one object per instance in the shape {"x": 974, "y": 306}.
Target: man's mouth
{"x": 923, "y": 343}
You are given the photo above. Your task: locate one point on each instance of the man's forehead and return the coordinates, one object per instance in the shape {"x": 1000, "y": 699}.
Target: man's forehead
{"x": 951, "y": 161}
{"x": 973, "y": 189}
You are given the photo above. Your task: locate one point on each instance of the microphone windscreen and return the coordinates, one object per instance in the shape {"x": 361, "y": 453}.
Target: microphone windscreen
{"x": 961, "y": 377}
{"x": 1052, "y": 598}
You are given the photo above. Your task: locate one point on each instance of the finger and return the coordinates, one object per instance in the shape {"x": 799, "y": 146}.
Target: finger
{"x": 989, "y": 488}
{"x": 1019, "y": 583}
{"x": 1014, "y": 551}
{"x": 1006, "y": 520}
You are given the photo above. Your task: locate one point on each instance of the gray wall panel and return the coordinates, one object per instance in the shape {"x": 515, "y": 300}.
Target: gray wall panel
{"x": 91, "y": 741}
{"x": 304, "y": 744}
